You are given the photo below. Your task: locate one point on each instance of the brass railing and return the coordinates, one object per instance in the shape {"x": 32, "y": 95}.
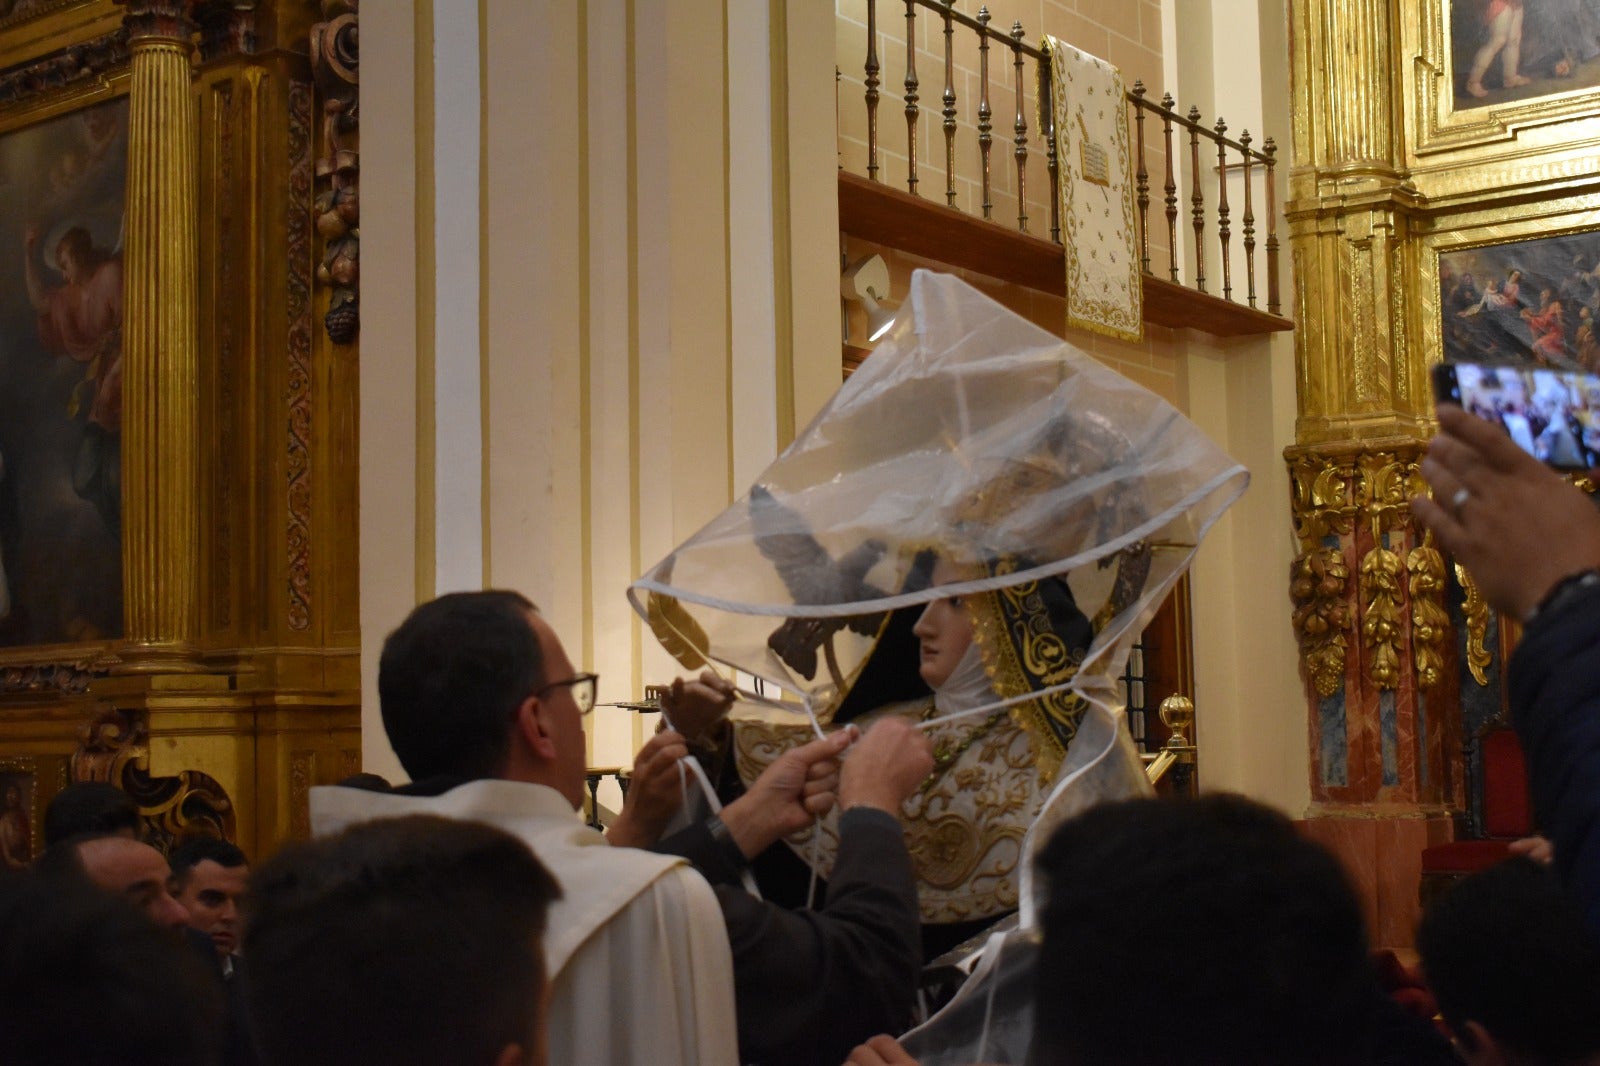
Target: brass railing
{"x": 1245, "y": 157}
{"x": 1177, "y": 755}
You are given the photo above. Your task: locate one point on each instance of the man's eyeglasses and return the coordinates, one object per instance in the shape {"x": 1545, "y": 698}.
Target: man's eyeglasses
{"x": 583, "y": 689}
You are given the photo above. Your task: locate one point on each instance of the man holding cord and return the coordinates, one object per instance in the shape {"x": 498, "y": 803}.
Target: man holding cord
{"x": 485, "y": 711}
{"x": 1532, "y": 543}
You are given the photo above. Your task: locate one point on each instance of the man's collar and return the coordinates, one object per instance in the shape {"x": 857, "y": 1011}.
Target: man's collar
{"x": 431, "y": 786}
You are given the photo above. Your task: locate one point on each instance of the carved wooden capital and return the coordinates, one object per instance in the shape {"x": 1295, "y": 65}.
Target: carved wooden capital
{"x": 157, "y": 20}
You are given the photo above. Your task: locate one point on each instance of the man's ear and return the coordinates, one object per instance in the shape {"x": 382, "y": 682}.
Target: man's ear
{"x": 531, "y": 727}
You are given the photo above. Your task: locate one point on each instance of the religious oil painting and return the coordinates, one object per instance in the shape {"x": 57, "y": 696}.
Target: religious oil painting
{"x": 62, "y": 185}
{"x": 1503, "y": 51}
{"x": 17, "y": 793}
{"x": 1523, "y": 304}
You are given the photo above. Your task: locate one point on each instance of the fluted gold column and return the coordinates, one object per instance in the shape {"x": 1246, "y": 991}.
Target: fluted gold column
{"x": 160, "y": 537}
{"x": 1368, "y": 592}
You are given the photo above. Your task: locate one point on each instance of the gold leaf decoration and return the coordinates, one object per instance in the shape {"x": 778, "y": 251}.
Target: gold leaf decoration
{"x": 1317, "y": 584}
{"x": 1380, "y": 621}
{"x": 1477, "y": 614}
{"x": 677, "y": 631}
{"x": 1430, "y": 622}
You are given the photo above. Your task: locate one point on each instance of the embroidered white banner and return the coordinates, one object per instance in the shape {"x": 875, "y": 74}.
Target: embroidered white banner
{"x": 1104, "y": 291}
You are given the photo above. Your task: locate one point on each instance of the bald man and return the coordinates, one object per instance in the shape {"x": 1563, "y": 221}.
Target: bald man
{"x": 136, "y": 872}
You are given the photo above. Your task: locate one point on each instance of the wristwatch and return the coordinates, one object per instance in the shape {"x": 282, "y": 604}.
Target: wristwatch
{"x": 1564, "y": 590}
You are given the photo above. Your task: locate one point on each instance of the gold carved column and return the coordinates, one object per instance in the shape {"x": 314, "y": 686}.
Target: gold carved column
{"x": 160, "y": 350}
{"x": 1368, "y": 592}
{"x": 234, "y": 686}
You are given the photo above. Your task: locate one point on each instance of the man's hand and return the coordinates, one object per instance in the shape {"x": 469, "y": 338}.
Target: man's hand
{"x": 694, "y": 707}
{"x": 654, "y": 794}
{"x": 799, "y": 786}
{"x": 881, "y": 1050}
{"x": 889, "y": 764}
{"x": 1537, "y": 848}
{"x": 1515, "y": 524}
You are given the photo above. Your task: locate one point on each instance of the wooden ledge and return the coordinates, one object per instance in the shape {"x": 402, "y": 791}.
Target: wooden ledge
{"x": 875, "y": 212}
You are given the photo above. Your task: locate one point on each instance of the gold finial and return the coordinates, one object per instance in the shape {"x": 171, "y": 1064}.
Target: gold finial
{"x": 1177, "y": 714}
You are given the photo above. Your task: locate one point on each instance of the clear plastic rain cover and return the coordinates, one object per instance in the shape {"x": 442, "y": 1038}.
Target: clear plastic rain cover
{"x": 973, "y": 455}
{"x": 971, "y": 435}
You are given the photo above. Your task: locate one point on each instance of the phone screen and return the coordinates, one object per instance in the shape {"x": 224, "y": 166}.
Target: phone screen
{"x": 1553, "y": 415}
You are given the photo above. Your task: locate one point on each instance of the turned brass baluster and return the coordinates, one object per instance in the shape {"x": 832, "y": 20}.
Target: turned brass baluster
{"x": 1142, "y": 176}
{"x": 1021, "y": 138}
{"x": 949, "y": 108}
{"x": 1270, "y": 150}
{"x": 1197, "y": 199}
{"x": 912, "y": 111}
{"x": 1167, "y": 104}
{"x": 1222, "y": 208}
{"x": 985, "y": 128}
{"x": 872, "y": 89}
{"x": 1249, "y": 225}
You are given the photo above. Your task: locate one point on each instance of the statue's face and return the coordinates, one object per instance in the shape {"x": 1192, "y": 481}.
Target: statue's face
{"x": 945, "y": 630}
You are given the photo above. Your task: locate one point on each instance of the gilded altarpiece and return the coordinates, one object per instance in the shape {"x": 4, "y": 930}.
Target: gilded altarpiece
{"x": 230, "y": 686}
{"x": 1394, "y": 164}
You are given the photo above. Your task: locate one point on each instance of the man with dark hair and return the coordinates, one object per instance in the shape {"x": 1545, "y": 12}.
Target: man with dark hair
{"x": 485, "y": 711}
{"x": 408, "y": 942}
{"x": 209, "y": 877}
{"x": 86, "y": 808}
{"x": 1515, "y": 973}
{"x": 1244, "y": 941}
{"x": 85, "y": 980}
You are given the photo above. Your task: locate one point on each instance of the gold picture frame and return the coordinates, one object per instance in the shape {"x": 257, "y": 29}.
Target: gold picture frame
{"x": 1444, "y": 120}
{"x": 1493, "y": 228}
{"x": 27, "y": 785}
{"x": 62, "y": 63}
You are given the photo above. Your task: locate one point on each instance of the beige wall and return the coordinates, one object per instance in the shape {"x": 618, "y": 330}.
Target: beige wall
{"x": 603, "y": 345}
{"x": 585, "y": 216}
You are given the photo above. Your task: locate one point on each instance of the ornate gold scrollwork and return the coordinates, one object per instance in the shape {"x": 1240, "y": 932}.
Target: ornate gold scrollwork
{"x": 1477, "y": 614}
{"x": 1321, "y": 616}
{"x": 1430, "y": 622}
{"x": 1336, "y": 490}
{"x": 1323, "y": 490}
{"x": 114, "y": 746}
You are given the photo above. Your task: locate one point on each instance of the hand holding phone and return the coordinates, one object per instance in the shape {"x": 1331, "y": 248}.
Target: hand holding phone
{"x": 1553, "y": 415}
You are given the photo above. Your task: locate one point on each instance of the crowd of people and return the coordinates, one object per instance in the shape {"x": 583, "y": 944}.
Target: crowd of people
{"x": 472, "y": 917}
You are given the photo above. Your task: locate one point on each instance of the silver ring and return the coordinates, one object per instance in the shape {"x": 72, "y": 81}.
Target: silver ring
{"x": 1459, "y": 499}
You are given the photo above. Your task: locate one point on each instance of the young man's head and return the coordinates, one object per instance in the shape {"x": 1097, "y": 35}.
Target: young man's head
{"x": 475, "y": 685}
{"x": 404, "y": 941}
{"x": 1243, "y": 941}
{"x": 86, "y": 980}
{"x": 209, "y": 877}
{"x": 90, "y": 808}
{"x": 1516, "y": 975}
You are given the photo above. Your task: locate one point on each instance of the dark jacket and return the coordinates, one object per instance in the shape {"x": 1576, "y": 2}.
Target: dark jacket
{"x": 1554, "y": 679}
{"x": 812, "y": 984}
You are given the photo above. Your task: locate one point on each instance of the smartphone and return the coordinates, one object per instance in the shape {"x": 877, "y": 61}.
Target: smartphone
{"x": 1553, "y": 415}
